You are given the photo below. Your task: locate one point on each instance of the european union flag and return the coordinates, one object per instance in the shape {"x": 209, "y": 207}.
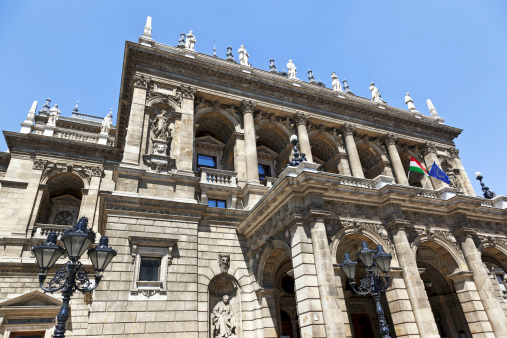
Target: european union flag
{"x": 436, "y": 172}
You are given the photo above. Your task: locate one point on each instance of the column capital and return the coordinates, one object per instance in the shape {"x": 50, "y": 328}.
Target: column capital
{"x": 301, "y": 118}
{"x": 390, "y": 139}
{"x": 186, "y": 92}
{"x": 397, "y": 224}
{"x": 248, "y": 106}
{"x": 453, "y": 152}
{"x": 463, "y": 233}
{"x": 429, "y": 147}
{"x": 140, "y": 81}
{"x": 348, "y": 129}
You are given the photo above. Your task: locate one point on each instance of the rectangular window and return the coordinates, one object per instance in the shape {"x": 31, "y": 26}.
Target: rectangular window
{"x": 206, "y": 161}
{"x": 216, "y": 203}
{"x": 150, "y": 269}
{"x": 28, "y": 334}
{"x": 264, "y": 171}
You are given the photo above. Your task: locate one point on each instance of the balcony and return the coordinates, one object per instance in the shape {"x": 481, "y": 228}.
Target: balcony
{"x": 217, "y": 177}
{"x": 43, "y": 230}
{"x": 218, "y": 184}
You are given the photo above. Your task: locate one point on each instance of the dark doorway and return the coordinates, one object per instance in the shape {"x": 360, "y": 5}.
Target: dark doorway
{"x": 286, "y": 324}
{"x": 361, "y": 325}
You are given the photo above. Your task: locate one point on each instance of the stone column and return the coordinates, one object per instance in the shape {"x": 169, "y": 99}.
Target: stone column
{"x": 331, "y": 309}
{"x": 471, "y": 304}
{"x": 132, "y": 152}
{"x": 304, "y": 141}
{"x": 350, "y": 143}
{"x": 399, "y": 171}
{"x": 311, "y": 320}
{"x": 268, "y": 312}
{"x": 239, "y": 158}
{"x": 252, "y": 170}
{"x": 454, "y": 153}
{"x": 484, "y": 286}
{"x": 430, "y": 156}
{"x": 421, "y": 307}
{"x": 343, "y": 304}
{"x": 89, "y": 203}
{"x": 186, "y": 141}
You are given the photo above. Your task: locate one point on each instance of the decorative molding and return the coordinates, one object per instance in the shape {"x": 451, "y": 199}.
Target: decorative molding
{"x": 301, "y": 118}
{"x": 39, "y": 164}
{"x": 348, "y": 129}
{"x": 429, "y": 148}
{"x": 446, "y": 236}
{"x": 248, "y": 106}
{"x": 185, "y": 92}
{"x": 390, "y": 139}
{"x": 453, "y": 152}
{"x": 140, "y": 81}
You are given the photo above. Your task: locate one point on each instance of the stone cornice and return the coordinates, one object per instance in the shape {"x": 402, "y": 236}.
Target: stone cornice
{"x": 262, "y": 84}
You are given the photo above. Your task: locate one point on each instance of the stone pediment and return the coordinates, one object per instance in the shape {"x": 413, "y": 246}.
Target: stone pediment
{"x": 266, "y": 151}
{"x": 209, "y": 141}
{"x": 32, "y": 299}
{"x": 67, "y": 199}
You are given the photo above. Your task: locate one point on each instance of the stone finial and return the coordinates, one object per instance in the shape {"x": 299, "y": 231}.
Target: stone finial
{"x": 337, "y": 87}
{"x": 432, "y": 109}
{"x": 181, "y": 41}
{"x": 147, "y": 28}
{"x": 346, "y": 87}
{"x": 190, "y": 41}
{"x": 76, "y": 108}
{"x": 229, "y": 55}
{"x": 214, "y": 51}
{"x": 272, "y": 67}
{"x": 31, "y": 113}
{"x": 409, "y": 102}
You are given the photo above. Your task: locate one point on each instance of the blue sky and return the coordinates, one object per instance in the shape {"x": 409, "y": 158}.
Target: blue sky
{"x": 453, "y": 52}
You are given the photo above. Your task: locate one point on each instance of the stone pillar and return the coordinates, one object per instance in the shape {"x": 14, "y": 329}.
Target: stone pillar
{"x": 343, "y": 304}
{"x": 89, "y": 203}
{"x": 484, "y": 286}
{"x": 454, "y": 153}
{"x": 311, "y": 320}
{"x": 252, "y": 167}
{"x": 350, "y": 143}
{"x": 421, "y": 307}
{"x": 304, "y": 141}
{"x": 399, "y": 171}
{"x": 239, "y": 158}
{"x": 186, "y": 141}
{"x": 471, "y": 304}
{"x": 430, "y": 156}
{"x": 132, "y": 152}
{"x": 268, "y": 312}
{"x": 331, "y": 309}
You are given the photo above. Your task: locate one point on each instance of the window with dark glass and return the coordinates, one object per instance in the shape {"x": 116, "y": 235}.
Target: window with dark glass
{"x": 264, "y": 171}
{"x": 206, "y": 161}
{"x": 150, "y": 269}
{"x": 216, "y": 203}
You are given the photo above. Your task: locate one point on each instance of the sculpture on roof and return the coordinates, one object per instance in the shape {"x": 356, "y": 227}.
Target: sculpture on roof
{"x": 223, "y": 319}
{"x": 107, "y": 123}
{"x": 229, "y": 55}
{"x": 243, "y": 56}
{"x": 409, "y": 102}
{"x": 337, "y": 87}
{"x": 375, "y": 94}
{"x": 272, "y": 67}
{"x": 346, "y": 87}
{"x": 311, "y": 78}
{"x": 181, "y": 41}
{"x": 190, "y": 41}
{"x": 292, "y": 70}
{"x": 54, "y": 114}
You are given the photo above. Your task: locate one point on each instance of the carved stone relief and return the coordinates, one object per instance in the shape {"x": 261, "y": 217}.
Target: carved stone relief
{"x": 224, "y": 261}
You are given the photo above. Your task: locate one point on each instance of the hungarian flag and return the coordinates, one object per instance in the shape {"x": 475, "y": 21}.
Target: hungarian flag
{"x": 416, "y": 166}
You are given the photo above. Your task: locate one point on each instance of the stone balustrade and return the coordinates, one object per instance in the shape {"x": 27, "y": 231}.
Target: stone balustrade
{"x": 43, "y": 230}
{"x": 87, "y": 117}
{"x": 358, "y": 182}
{"x": 218, "y": 177}
{"x": 428, "y": 193}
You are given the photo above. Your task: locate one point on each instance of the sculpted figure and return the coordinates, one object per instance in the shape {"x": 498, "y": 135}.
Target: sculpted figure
{"x": 346, "y": 87}
{"x": 223, "y": 319}
{"x": 190, "y": 42}
{"x": 375, "y": 94}
{"x": 243, "y": 56}
{"x": 224, "y": 261}
{"x": 107, "y": 123}
{"x": 54, "y": 114}
{"x": 292, "y": 70}
{"x": 160, "y": 126}
{"x": 337, "y": 87}
{"x": 272, "y": 67}
{"x": 409, "y": 102}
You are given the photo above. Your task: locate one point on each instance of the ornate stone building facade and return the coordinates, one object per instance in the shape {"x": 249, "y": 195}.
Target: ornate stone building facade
{"x": 217, "y": 237}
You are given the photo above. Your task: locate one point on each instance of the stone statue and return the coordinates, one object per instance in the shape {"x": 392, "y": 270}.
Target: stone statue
{"x": 160, "y": 126}
{"x": 375, "y": 94}
{"x": 272, "y": 67}
{"x": 54, "y": 114}
{"x": 223, "y": 319}
{"x": 107, "y": 123}
{"x": 409, "y": 102}
{"x": 346, "y": 87}
{"x": 337, "y": 87}
{"x": 432, "y": 109}
{"x": 292, "y": 70}
{"x": 229, "y": 55}
{"x": 311, "y": 78}
{"x": 190, "y": 42}
{"x": 181, "y": 41}
{"x": 243, "y": 56}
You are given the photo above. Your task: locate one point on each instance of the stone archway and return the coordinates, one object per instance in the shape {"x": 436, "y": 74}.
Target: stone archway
{"x": 324, "y": 151}
{"x": 273, "y": 137}
{"x": 371, "y": 161}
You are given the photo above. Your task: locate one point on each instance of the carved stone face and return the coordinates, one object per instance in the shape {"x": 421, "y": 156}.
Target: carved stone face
{"x": 225, "y": 298}
{"x": 224, "y": 261}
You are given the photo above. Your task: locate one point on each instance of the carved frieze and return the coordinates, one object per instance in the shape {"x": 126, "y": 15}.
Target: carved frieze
{"x": 86, "y": 172}
{"x": 492, "y": 241}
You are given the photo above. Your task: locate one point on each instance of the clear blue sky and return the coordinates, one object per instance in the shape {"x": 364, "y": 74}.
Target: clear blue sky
{"x": 453, "y": 52}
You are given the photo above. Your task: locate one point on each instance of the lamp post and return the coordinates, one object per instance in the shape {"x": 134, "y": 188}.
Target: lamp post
{"x": 373, "y": 283}
{"x": 296, "y": 160}
{"x": 487, "y": 193}
{"x": 73, "y": 276}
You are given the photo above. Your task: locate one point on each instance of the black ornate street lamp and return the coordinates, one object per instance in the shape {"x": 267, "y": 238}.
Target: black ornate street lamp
{"x": 296, "y": 160}
{"x": 487, "y": 193}
{"x": 73, "y": 276}
{"x": 373, "y": 283}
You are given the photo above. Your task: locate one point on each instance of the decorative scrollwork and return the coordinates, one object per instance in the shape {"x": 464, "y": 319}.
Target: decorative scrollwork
{"x": 82, "y": 281}
{"x": 58, "y": 281}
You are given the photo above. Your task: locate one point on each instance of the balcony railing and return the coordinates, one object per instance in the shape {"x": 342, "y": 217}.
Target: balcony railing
{"x": 218, "y": 177}
{"x": 43, "y": 230}
{"x": 358, "y": 182}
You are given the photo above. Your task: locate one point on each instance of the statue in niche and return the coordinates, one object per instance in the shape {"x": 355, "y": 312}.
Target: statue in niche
{"x": 223, "y": 319}
{"x": 224, "y": 260}
{"x": 160, "y": 126}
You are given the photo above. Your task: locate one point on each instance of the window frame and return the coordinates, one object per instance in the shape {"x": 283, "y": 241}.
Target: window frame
{"x": 217, "y": 200}
{"x": 214, "y": 157}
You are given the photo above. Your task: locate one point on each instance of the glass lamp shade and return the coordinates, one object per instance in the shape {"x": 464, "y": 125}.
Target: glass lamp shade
{"x": 376, "y": 270}
{"x": 47, "y": 254}
{"x": 383, "y": 259}
{"x": 348, "y": 266}
{"x": 366, "y": 254}
{"x": 101, "y": 256}
{"x": 78, "y": 239}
